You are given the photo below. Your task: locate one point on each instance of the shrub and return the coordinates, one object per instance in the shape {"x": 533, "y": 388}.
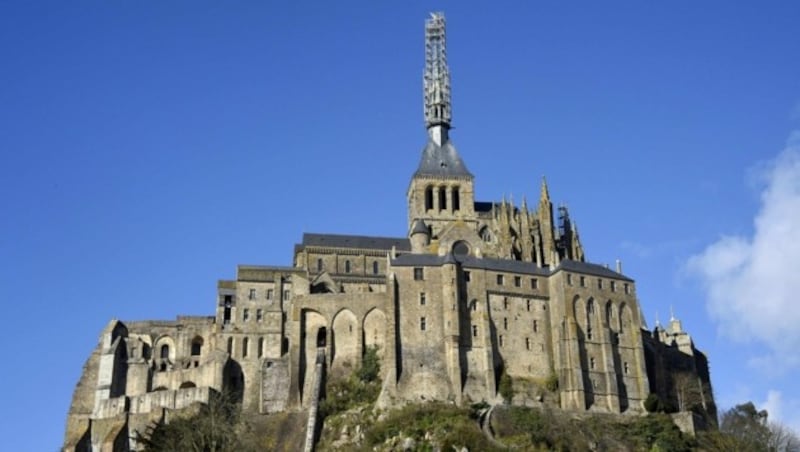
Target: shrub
{"x": 506, "y": 387}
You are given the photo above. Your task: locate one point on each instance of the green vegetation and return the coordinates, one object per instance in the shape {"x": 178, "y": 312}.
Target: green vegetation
{"x": 551, "y": 383}
{"x": 506, "y": 387}
{"x": 432, "y": 426}
{"x": 362, "y": 387}
{"x": 544, "y": 429}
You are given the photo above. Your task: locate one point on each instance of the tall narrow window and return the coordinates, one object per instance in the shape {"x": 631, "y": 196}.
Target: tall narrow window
{"x": 535, "y": 326}
{"x": 528, "y": 305}
{"x": 534, "y": 283}
{"x": 261, "y": 347}
{"x": 505, "y": 323}
{"x": 347, "y": 266}
{"x": 245, "y": 346}
{"x": 474, "y": 305}
{"x": 442, "y": 198}
{"x": 422, "y": 323}
{"x": 319, "y": 265}
{"x": 517, "y": 281}
{"x": 245, "y": 314}
{"x": 259, "y": 315}
{"x": 599, "y": 283}
{"x": 527, "y": 343}
{"x": 591, "y": 363}
{"x": 428, "y": 198}
{"x": 505, "y": 302}
{"x": 467, "y": 276}
{"x": 500, "y": 280}
{"x": 164, "y": 351}
{"x": 419, "y": 275}
{"x": 627, "y": 288}
{"x": 252, "y": 294}
{"x": 625, "y": 365}
{"x": 270, "y": 294}
{"x": 226, "y": 315}
{"x": 583, "y": 281}
{"x": 422, "y": 298}
{"x": 500, "y": 340}
{"x": 197, "y": 346}
{"x": 474, "y": 330}
{"x": 569, "y": 279}
{"x": 230, "y": 346}
{"x": 613, "y": 286}
{"x": 374, "y": 267}
{"x": 456, "y": 199}
{"x": 287, "y": 294}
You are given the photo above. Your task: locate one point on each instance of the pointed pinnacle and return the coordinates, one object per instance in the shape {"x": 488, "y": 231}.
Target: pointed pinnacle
{"x": 545, "y": 194}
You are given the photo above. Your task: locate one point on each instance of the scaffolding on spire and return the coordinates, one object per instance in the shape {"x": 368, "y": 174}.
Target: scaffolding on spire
{"x": 436, "y": 80}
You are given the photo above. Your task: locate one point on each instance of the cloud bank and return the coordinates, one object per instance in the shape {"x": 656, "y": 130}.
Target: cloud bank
{"x": 753, "y": 283}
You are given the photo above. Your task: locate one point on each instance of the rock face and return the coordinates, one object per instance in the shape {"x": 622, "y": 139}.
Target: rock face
{"x": 477, "y": 292}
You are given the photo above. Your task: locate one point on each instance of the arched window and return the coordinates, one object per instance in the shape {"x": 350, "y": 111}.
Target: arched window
{"x": 347, "y": 266}
{"x": 442, "y": 198}
{"x": 245, "y": 346}
{"x": 428, "y": 198}
{"x": 374, "y": 267}
{"x": 456, "y": 198}
{"x": 197, "y": 346}
{"x": 164, "y": 351}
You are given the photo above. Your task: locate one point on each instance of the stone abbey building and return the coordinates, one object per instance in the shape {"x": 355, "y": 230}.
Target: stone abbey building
{"x": 475, "y": 291}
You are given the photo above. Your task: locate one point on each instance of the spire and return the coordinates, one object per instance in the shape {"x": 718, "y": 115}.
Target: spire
{"x": 436, "y": 80}
{"x": 545, "y": 196}
{"x": 439, "y": 158}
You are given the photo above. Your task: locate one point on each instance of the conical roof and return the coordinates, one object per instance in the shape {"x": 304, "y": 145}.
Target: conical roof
{"x": 442, "y": 161}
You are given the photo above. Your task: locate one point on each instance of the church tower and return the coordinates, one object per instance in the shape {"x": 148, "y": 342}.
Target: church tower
{"x": 441, "y": 190}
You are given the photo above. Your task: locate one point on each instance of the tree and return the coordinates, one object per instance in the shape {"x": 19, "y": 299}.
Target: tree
{"x": 214, "y": 427}
{"x": 743, "y": 427}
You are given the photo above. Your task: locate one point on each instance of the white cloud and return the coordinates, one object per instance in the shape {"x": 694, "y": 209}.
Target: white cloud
{"x": 772, "y": 405}
{"x": 753, "y": 283}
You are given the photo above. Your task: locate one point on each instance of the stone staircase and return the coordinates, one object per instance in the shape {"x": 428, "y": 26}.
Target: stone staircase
{"x": 319, "y": 377}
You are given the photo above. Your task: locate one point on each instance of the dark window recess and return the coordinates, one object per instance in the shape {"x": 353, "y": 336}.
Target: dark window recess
{"x": 456, "y": 199}
{"x": 517, "y": 281}
{"x": 226, "y": 315}
{"x": 428, "y": 198}
{"x": 419, "y": 274}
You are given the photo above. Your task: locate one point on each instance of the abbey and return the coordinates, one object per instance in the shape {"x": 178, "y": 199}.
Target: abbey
{"x": 475, "y": 293}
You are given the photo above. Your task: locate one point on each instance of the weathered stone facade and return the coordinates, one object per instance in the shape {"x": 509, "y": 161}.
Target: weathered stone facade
{"x": 477, "y": 290}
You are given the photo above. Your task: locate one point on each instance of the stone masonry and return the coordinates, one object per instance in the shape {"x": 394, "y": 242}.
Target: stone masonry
{"x": 476, "y": 292}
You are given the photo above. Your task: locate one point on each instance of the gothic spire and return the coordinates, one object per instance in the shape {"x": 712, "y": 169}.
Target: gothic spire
{"x": 436, "y": 80}
{"x": 545, "y": 194}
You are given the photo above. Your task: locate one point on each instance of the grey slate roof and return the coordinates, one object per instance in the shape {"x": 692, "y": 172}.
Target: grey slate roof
{"x": 591, "y": 269}
{"x": 419, "y": 227}
{"x": 507, "y": 265}
{"x": 356, "y": 241}
{"x": 441, "y": 161}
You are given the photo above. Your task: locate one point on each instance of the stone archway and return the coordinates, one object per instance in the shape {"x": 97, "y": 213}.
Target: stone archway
{"x": 345, "y": 350}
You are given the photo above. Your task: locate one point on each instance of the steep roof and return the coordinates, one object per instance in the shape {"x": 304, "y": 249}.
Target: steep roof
{"x": 356, "y": 241}
{"x": 442, "y": 161}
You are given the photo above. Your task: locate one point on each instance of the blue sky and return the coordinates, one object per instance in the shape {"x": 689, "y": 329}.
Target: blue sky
{"x": 149, "y": 148}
